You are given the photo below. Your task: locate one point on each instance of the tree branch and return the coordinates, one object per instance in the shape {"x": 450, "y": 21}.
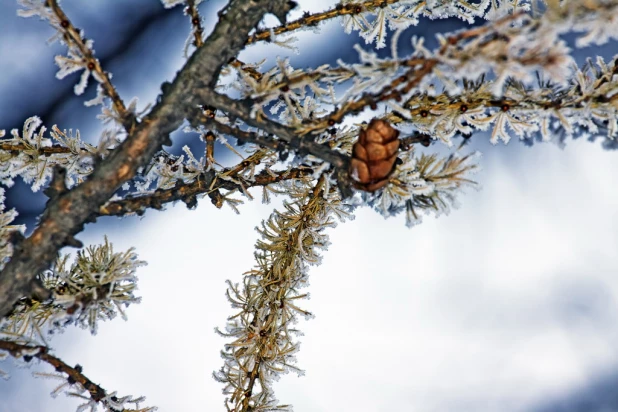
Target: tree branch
{"x": 72, "y": 35}
{"x": 65, "y": 216}
{"x": 74, "y": 374}
{"x": 309, "y": 20}
{"x": 287, "y": 136}
{"x": 186, "y": 192}
{"x": 40, "y": 352}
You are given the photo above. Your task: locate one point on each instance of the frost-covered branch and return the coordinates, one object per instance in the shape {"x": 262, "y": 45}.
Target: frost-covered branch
{"x": 487, "y": 75}
{"x": 97, "y": 286}
{"x": 74, "y": 382}
{"x": 80, "y": 57}
{"x": 428, "y": 183}
{"x": 588, "y": 104}
{"x": 208, "y": 184}
{"x": 267, "y": 301}
{"x": 196, "y": 23}
{"x": 65, "y": 214}
{"x": 32, "y": 156}
{"x": 277, "y": 137}
{"x": 311, "y": 20}
{"x": 242, "y": 109}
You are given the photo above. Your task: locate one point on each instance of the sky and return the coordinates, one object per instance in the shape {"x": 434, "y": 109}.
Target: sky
{"x": 509, "y": 303}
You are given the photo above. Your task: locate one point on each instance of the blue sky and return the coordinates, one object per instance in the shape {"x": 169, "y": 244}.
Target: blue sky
{"x": 509, "y": 303}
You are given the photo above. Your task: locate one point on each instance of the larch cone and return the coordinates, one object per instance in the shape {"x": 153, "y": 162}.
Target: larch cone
{"x": 374, "y": 155}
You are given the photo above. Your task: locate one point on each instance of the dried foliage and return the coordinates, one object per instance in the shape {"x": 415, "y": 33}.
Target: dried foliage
{"x": 514, "y": 74}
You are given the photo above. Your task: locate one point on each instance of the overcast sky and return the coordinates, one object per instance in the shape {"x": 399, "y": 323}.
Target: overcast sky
{"x": 510, "y": 303}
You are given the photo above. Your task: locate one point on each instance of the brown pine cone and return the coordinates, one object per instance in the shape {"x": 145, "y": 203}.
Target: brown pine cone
{"x": 374, "y": 155}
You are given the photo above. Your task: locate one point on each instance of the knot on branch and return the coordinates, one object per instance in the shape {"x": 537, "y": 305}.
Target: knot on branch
{"x": 92, "y": 218}
{"x": 190, "y": 201}
{"x": 66, "y": 240}
{"x": 16, "y": 239}
{"x": 73, "y": 242}
{"x": 58, "y": 185}
{"x": 281, "y": 9}
{"x": 39, "y": 291}
{"x": 216, "y": 198}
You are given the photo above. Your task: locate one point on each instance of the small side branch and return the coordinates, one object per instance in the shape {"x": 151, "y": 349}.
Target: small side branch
{"x": 73, "y": 37}
{"x": 287, "y": 138}
{"x": 313, "y": 19}
{"x": 206, "y": 184}
{"x": 74, "y": 374}
{"x": 241, "y": 109}
{"x": 196, "y": 22}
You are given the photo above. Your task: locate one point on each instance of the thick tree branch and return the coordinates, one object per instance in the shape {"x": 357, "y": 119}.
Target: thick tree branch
{"x": 65, "y": 215}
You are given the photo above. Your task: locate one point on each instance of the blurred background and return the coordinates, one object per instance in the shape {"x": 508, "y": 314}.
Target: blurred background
{"x": 510, "y": 303}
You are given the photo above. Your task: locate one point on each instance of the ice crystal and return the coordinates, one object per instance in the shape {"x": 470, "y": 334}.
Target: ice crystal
{"x": 32, "y": 156}
{"x": 98, "y": 285}
{"x": 7, "y": 230}
{"x": 264, "y": 344}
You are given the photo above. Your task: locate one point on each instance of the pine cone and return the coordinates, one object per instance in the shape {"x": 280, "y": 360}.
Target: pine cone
{"x": 374, "y": 155}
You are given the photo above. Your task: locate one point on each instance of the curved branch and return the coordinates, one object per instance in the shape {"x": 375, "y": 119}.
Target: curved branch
{"x": 72, "y": 35}
{"x": 28, "y": 352}
{"x": 74, "y": 374}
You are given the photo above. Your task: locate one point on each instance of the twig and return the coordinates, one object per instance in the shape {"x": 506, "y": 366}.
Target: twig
{"x": 196, "y": 22}
{"x": 46, "y": 150}
{"x": 187, "y": 191}
{"x": 74, "y": 374}
{"x": 286, "y": 137}
{"x": 241, "y": 109}
{"x": 314, "y": 19}
{"x": 72, "y": 36}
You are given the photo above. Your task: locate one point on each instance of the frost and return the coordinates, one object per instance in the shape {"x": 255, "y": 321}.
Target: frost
{"x": 262, "y": 331}
{"x": 425, "y": 183}
{"x": 171, "y": 3}
{"x": 74, "y": 62}
{"x": 97, "y": 286}
{"x": 33, "y": 156}
{"x": 35, "y": 8}
{"x": 7, "y": 230}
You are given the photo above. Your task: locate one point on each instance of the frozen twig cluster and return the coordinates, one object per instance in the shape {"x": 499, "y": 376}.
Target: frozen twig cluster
{"x": 97, "y": 285}
{"x": 512, "y": 75}
{"x": 267, "y": 302}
